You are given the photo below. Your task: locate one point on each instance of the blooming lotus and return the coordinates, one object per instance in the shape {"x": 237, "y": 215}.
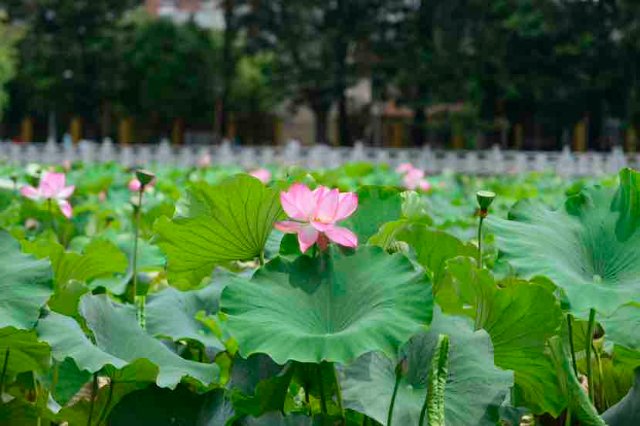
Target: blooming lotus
{"x": 263, "y": 175}
{"x": 315, "y": 215}
{"x": 413, "y": 177}
{"x": 52, "y": 187}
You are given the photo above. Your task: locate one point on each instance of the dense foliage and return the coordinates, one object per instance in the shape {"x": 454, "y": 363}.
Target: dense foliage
{"x": 546, "y": 64}
{"x": 208, "y": 297}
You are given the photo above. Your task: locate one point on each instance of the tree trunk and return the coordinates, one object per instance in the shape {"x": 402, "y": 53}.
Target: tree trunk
{"x": 321, "y": 117}
{"x": 341, "y": 48}
{"x": 228, "y": 64}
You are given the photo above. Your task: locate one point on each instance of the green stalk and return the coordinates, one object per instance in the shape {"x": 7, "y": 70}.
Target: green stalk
{"x": 571, "y": 346}
{"x": 480, "y": 240}
{"x": 323, "y": 401}
{"x": 433, "y": 406}
{"x": 590, "y": 330}
{"x": 262, "y": 258}
{"x": 94, "y": 391}
{"x": 338, "y": 393}
{"x": 567, "y": 417}
{"x": 5, "y": 365}
{"x": 139, "y": 300}
{"x": 105, "y": 409}
{"x": 395, "y": 393}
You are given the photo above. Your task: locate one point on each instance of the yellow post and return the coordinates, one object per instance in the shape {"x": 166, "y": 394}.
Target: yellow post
{"x": 580, "y": 136}
{"x": 125, "y": 130}
{"x": 76, "y": 129}
{"x": 631, "y": 139}
{"x": 26, "y": 130}
{"x": 398, "y": 134}
{"x": 177, "y": 132}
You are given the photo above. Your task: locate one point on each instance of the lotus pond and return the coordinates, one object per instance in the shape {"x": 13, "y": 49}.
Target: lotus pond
{"x": 355, "y": 296}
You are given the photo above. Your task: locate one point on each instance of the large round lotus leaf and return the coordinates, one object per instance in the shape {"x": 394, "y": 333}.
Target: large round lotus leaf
{"x": 172, "y": 313}
{"x": 25, "y": 285}
{"x": 520, "y": 317}
{"x": 623, "y": 325}
{"x": 590, "y": 247}
{"x": 217, "y": 224}
{"x": 331, "y": 308}
{"x": 119, "y": 341}
{"x": 474, "y": 389}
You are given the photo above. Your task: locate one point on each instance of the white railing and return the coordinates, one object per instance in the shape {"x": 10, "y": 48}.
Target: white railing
{"x": 492, "y": 161}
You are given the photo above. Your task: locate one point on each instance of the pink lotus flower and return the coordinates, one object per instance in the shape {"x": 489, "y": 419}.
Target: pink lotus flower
{"x": 134, "y": 185}
{"x": 204, "y": 161}
{"x": 315, "y": 214}
{"x": 404, "y": 168}
{"x": 263, "y": 175}
{"x": 52, "y": 187}
{"x": 413, "y": 177}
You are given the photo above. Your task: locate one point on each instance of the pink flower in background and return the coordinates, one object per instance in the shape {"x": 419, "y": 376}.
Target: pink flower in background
{"x": 413, "y": 177}
{"x": 134, "y": 184}
{"x": 315, "y": 215}
{"x": 263, "y": 175}
{"x": 52, "y": 187}
{"x": 404, "y": 168}
{"x": 204, "y": 161}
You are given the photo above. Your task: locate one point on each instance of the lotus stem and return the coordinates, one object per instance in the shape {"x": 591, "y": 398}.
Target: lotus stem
{"x": 338, "y": 391}
{"x": 480, "y": 222}
{"x": 393, "y": 396}
{"x": 262, "y": 258}
{"x": 571, "y": 346}
{"x": 323, "y": 401}
{"x": 567, "y": 417}
{"x": 105, "y": 409}
{"x": 590, "y": 330}
{"x": 5, "y": 365}
{"x": 94, "y": 391}
{"x": 138, "y": 300}
{"x": 433, "y": 406}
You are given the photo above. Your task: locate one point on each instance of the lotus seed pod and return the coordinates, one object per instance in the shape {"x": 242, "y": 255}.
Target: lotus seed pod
{"x": 485, "y": 198}
{"x": 144, "y": 176}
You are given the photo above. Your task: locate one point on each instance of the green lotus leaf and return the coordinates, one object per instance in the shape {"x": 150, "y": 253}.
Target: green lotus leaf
{"x": 172, "y": 313}
{"x": 18, "y": 412}
{"x": 119, "y": 341}
{"x": 278, "y": 419}
{"x": 627, "y": 411}
{"x": 154, "y": 406}
{"x": 22, "y": 352}
{"x": 376, "y": 205}
{"x": 474, "y": 388}
{"x": 135, "y": 376}
{"x": 622, "y": 326}
{"x": 331, "y": 308}
{"x": 432, "y": 247}
{"x": 25, "y": 285}
{"x": 589, "y": 247}
{"x": 64, "y": 380}
{"x": 520, "y": 318}
{"x": 259, "y": 385}
{"x": 100, "y": 258}
{"x": 226, "y": 222}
